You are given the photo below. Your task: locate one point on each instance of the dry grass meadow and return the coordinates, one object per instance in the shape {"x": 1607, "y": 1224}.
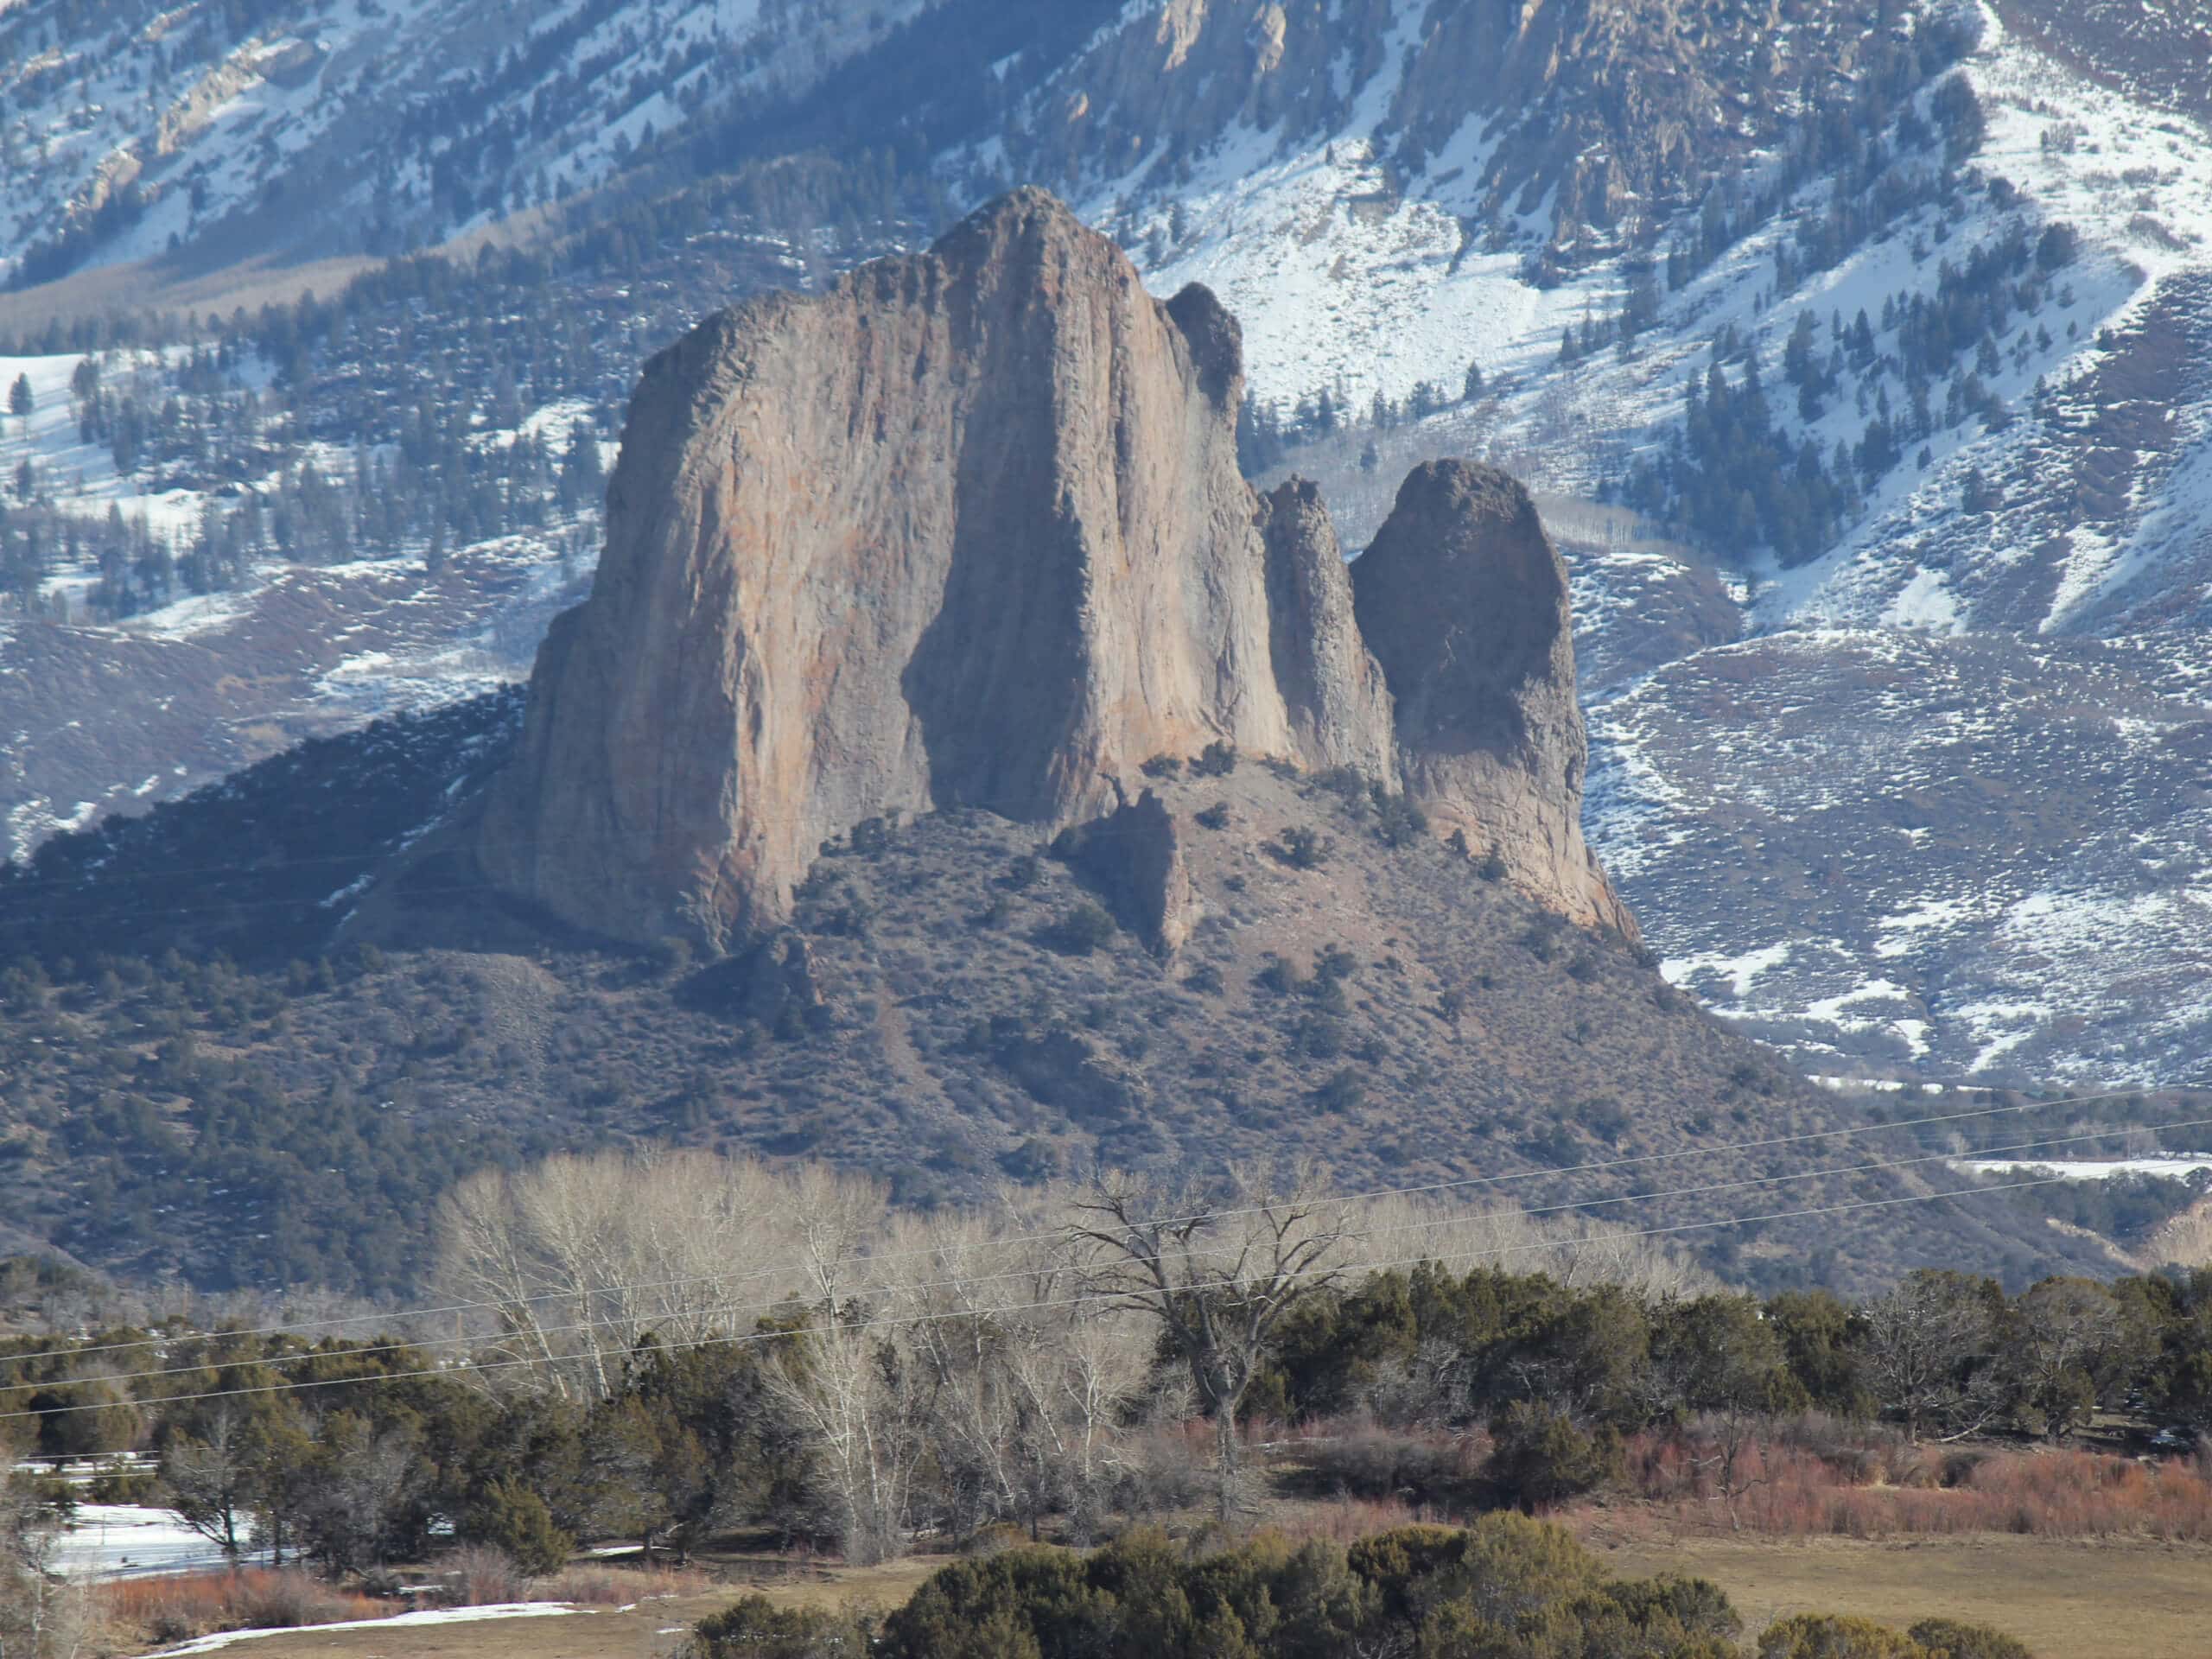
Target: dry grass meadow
{"x": 2069, "y": 1599}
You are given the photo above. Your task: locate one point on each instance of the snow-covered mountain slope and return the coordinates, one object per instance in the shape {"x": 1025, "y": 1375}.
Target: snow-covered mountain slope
{"x": 2160, "y": 51}
{"x": 111, "y": 719}
{"x": 133, "y": 127}
{"x": 1846, "y": 340}
{"x": 1901, "y": 852}
{"x": 1356, "y": 274}
{"x": 2017, "y": 448}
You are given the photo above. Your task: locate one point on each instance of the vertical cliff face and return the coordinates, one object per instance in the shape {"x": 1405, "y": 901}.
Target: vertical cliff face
{"x": 967, "y": 530}
{"x": 1463, "y": 599}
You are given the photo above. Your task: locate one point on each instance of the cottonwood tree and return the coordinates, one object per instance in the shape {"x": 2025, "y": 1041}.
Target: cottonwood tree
{"x": 1930, "y": 1353}
{"x": 843, "y": 1373}
{"x": 1027, "y": 1388}
{"x": 1217, "y": 1271}
{"x": 43, "y": 1613}
{"x": 577, "y": 1261}
{"x": 211, "y": 1481}
{"x": 2068, "y": 1343}
{"x": 972, "y": 1303}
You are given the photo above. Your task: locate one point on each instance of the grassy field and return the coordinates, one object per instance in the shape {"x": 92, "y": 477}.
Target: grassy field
{"x": 2067, "y": 1598}
{"x": 649, "y": 1628}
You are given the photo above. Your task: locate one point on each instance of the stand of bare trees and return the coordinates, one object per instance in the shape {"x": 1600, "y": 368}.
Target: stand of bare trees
{"x": 1021, "y": 1348}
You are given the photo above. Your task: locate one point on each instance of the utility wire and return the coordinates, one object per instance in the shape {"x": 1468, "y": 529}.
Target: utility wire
{"x": 1093, "y": 1299}
{"x": 394, "y": 1316}
{"x": 726, "y": 1309}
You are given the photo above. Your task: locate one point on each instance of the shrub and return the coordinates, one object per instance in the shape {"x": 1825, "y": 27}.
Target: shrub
{"x": 1945, "y": 1638}
{"x": 483, "y": 1575}
{"x": 1817, "y": 1636}
{"x": 1163, "y": 766}
{"x": 1342, "y": 1090}
{"x": 1554, "y": 1144}
{"x": 1319, "y": 1036}
{"x": 1078, "y": 931}
{"x": 1808, "y": 1484}
{"x": 757, "y": 1629}
{"x": 1305, "y": 847}
{"x": 1347, "y": 784}
{"x": 121, "y": 1484}
{"x": 193, "y": 1605}
{"x": 1215, "y": 816}
{"x": 1506, "y": 1568}
{"x": 1364, "y": 1461}
{"x": 1541, "y": 1455}
{"x": 1218, "y": 760}
{"x": 871, "y": 838}
{"x": 1334, "y": 964}
{"x": 1606, "y": 1119}
{"x": 511, "y": 1518}
{"x": 1398, "y": 822}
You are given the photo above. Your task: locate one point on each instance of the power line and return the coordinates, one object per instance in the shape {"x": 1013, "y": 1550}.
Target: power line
{"x": 1087, "y": 1300}
{"x": 962, "y": 1282}
{"x": 725, "y": 1309}
{"x": 1642, "y": 1159}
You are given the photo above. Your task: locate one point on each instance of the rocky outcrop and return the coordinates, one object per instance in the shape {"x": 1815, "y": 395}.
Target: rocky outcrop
{"x": 967, "y": 530}
{"x": 1133, "y": 857}
{"x": 1463, "y": 599}
{"x": 1599, "y": 114}
{"x": 1331, "y": 685}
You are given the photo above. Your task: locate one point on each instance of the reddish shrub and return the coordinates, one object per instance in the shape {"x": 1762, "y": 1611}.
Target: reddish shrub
{"x": 1791, "y": 1490}
{"x": 178, "y": 1608}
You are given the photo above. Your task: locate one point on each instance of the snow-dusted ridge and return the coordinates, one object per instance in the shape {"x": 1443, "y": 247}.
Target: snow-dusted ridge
{"x": 1939, "y": 814}
{"x": 414, "y": 119}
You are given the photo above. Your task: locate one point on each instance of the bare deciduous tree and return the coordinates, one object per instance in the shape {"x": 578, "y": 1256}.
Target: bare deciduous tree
{"x": 576, "y": 1259}
{"x": 211, "y": 1482}
{"x": 1928, "y": 1353}
{"x": 1218, "y": 1271}
{"x": 844, "y": 1373}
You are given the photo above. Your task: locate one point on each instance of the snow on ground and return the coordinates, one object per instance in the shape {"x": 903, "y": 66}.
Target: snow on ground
{"x": 1737, "y": 972}
{"x": 295, "y": 104}
{"x": 127, "y": 1540}
{"x": 398, "y": 1622}
{"x": 1962, "y": 855}
{"x": 1346, "y": 278}
{"x": 2175, "y": 1168}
